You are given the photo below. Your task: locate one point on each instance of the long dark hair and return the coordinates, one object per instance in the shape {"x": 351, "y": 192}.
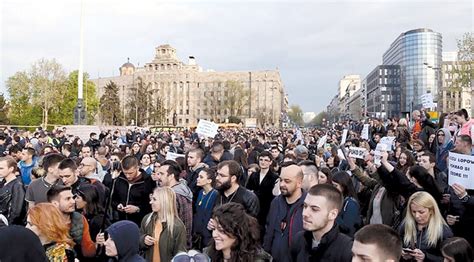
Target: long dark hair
{"x": 410, "y": 162}
{"x": 345, "y": 181}
{"x": 236, "y": 223}
{"x": 457, "y": 248}
{"x": 90, "y": 195}
{"x": 241, "y": 157}
{"x": 426, "y": 181}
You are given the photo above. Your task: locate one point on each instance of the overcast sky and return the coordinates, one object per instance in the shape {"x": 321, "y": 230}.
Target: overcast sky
{"x": 313, "y": 43}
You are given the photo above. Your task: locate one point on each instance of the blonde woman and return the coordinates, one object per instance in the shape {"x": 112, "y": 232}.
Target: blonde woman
{"x": 423, "y": 230}
{"x": 162, "y": 233}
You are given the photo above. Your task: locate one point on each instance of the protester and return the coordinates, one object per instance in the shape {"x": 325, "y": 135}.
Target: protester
{"x": 168, "y": 175}
{"x": 36, "y": 192}
{"x": 349, "y": 216}
{"x": 130, "y": 192}
{"x": 27, "y": 163}
{"x": 49, "y": 224}
{"x": 376, "y": 243}
{"x": 162, "y": 233}
{"x": 235, "y": 236}
{"x": 423, "y": 229}
{"x": 457, "y": 249}
{"x": 122, "y": 242}
{"x": 12, "y": 192}
{"x": 285, "y": 220}
{"x": 203, "y": 205}
{"x": 19, "y": 244}
{"x": 89, "y": 205}
{"x": 261, "y": 184}
{"x": 321, "y": 239}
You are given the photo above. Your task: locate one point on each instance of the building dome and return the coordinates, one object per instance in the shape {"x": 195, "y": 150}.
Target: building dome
{"x": 128, "y": 64}
{"x": 127, "y": 68}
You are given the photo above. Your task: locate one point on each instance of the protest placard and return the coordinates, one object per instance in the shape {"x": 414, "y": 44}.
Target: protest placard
{"x": 344, "y": 136}
{"x": 427, "y": 100}
{"x": 461, "y": 170}
{"x": 322, "y": 141}
{"x": 173, "y": 156}
{"x": 207, "y": 128}
{"x": 365, "y": 132}
{"x": 389, "y": 141}
{"x": 357, "y": 152}
{"x": 340, "y": 154}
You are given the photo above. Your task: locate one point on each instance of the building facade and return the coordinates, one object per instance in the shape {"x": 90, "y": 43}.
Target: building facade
{"x": 418, "y": 52}
{"x": 348, "y": 85}
{"x": 188, "y": 93}
{"x": 454, "y": 95}
{"x": 383, "y": 91}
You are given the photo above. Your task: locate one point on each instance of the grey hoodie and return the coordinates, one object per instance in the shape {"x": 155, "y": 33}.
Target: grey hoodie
{"x": 182, "y": 189}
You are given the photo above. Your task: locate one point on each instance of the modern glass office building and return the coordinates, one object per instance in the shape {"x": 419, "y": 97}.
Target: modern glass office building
{"x": 419, "y": 54}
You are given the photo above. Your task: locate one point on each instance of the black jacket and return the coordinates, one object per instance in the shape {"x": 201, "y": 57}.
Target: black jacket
{"x": 136, "y": 193}
{"x": 334, "y": 246}
{"x": 242, "y": 196}
{"x": 12, "y": 201}
{"x": 264, "y": 193}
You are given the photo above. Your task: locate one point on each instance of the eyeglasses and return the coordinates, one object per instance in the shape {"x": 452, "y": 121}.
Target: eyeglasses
{"x": 189, "y": 258}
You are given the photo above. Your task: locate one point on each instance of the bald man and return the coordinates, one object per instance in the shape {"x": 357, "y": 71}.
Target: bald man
{"x": 88, "y": 168}
{"x": 285, "y": 217}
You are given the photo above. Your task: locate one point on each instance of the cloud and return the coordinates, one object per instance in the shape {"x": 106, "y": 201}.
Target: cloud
{"x": 313, "y": 43}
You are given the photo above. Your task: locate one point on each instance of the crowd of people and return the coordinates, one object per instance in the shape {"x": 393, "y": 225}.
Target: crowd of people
{"x": 242, "y": 195}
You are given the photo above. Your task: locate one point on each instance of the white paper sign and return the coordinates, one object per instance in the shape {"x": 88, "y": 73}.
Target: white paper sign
{"x": 357, "y": 152}
{"x": 207, "y": 128}
{"x": 461, "y": 170}
{"x": 173, "y": 156}
{"x": 344, "y": 136}
{"x": 340, "y": 154}
{"x": 365, "y": 132}
{"x": 427, "y": 100}
{"x": 389, "y": 141}
{"x": 472, "y": 134}
{"x": 322, "y": 141}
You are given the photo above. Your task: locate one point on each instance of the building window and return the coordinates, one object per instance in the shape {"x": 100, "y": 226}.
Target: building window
{"x": 187, "y": 111}
{"x": 187, "y": 121}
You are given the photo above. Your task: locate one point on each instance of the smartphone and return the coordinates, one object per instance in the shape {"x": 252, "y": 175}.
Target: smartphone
{"x": 408, "y": 250}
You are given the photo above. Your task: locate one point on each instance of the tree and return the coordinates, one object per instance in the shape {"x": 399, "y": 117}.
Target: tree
{"x": 318, "y": 119}
{"x": 110, "y": 105}
{"x": 47, "y": 78}
{"x": 463, "y": 71}
{"x": 63, "y": 113}
{"x": 140, "y": 98}
{"x": 3, "y": 110}
{"x": 22, "y": 112}
{"x": 157, "y": 111}
{"x": 296, "y": 115}
{"x": 236, "y": 97}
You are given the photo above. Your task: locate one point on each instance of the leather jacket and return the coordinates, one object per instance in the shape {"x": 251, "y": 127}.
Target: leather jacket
{"x": 12, "y": 201}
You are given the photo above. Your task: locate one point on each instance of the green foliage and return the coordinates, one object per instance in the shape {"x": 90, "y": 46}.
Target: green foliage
{"x": 463, "y": 71}
{"x": 296, "y": 115}
{"x": 143, "y": 106}
{"x": 43, "y": 95}
{"x": 110, "y": 105}
{"x": 234, "y": 119}
{"x": 63, "y": 113}
{"x": 318, "y": 120}
{"x": 3, "y": 110}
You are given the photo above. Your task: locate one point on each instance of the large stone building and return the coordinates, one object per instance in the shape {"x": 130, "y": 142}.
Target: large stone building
{"x": 189, "y": 93}
{"x": 453, "y": 95}
{"x": 348, "y": 85}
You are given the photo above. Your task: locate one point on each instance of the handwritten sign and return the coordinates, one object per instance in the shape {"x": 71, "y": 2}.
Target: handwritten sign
{"x": 389, "y": 141}
{"x": 461, "y": 170}
{"x": 207, "y": 128}
{"x": 357, "y": 152}
{"x": 427, "y": 100}
{"x": 344, "y": 136}
{"x": 365, "y": 132}
{"x": 173, "y": 156}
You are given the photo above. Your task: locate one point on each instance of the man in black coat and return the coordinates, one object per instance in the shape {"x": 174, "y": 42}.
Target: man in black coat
{"x": 321, "y": 239}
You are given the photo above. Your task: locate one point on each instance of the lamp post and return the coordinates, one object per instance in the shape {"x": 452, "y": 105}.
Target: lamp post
{"x": 80, "y": 111}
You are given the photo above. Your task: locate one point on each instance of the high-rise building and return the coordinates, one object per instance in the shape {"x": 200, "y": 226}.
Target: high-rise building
{"x": 383, "y": 91}
{"x": 419, "y": 54}
{"x": 348, "y": 85}
{"x": 188, "y": 93}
